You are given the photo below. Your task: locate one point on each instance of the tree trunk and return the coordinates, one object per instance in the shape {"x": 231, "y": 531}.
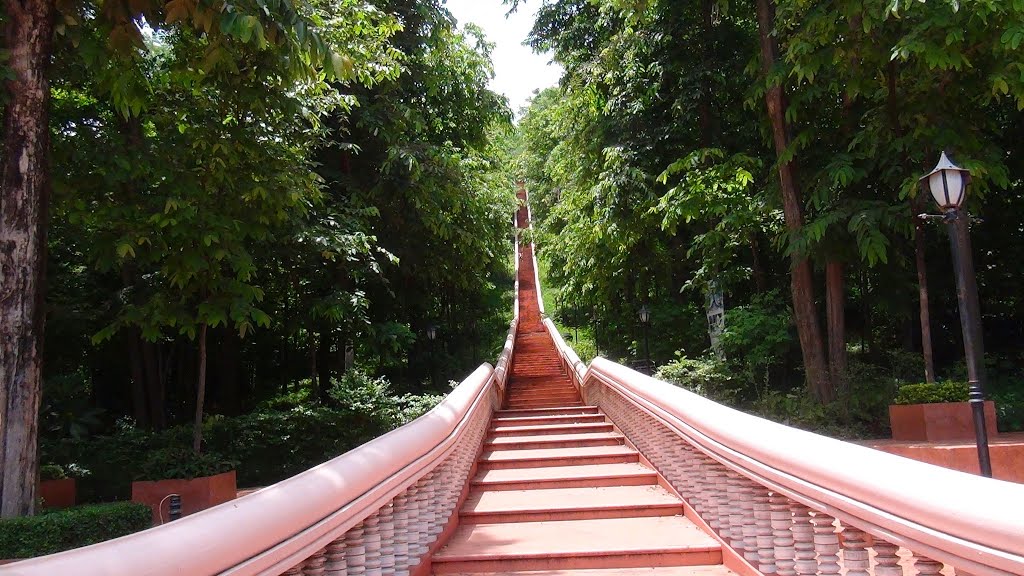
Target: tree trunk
{"x": 922, "y": 290}
{"x": 323, "y": 363}
{"x": 138, "y": 369}
{"x": 197, "y": 427}
{"x": 893, "y": 107}
{"x": 801, "y": 278}
{"x": 24, "y": 202}
{"x": 230, "y": 383}
{"x": 155, "y": 378}
{"x": 835, "y": 298}
{"x": 757, "y": 265}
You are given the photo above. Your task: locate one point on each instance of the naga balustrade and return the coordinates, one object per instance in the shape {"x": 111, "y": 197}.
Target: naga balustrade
{"x": 373, "y": 511}
{"x": 377, "y": 510}
{"x": 790, "y": 502}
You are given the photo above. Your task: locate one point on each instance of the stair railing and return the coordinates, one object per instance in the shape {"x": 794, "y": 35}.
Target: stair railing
{"x": 377, "y": 509}
{"x": 792, "y": 502}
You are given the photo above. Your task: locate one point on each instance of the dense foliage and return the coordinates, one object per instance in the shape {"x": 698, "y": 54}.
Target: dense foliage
{"x": 930, "y": 393}
{"x": 285, "y": 435}
{"x": 768, "y": 152}
{"x": 58, "y": 530}
{"x": 312, "y": 226}
{"x": 244, "y": 200}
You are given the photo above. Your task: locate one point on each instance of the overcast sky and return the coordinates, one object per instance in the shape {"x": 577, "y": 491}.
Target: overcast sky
{"x": 518, "y": 71}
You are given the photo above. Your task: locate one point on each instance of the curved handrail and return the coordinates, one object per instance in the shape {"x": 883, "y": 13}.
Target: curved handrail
{"x": 269, "y": 531}
{"x": 533, "y": 251}
{"x": 969, "y": 521}
{"x": 406, "y": 480}
{"x": 515, "y": 242}
{"x": 973, "y": 523}
{"x": 575, "y": 367}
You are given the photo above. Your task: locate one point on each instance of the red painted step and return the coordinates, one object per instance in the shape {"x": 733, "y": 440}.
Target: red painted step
{"x": 598, "y": 543}
{"x": 543, "y": 420}
{"x": 557, "y": 491}
{"x": 570, "y": 503}
{"x": 624, "y": 474}
{"x": 554, "y": 441}
{"x": 545, "y": 429}
{"x": 561, "y": 411}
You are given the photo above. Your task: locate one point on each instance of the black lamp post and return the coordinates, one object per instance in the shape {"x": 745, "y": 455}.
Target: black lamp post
{"x": 431, "y": 336}
{"x": 645, "y": 319}
{"x": 948, "y": 186}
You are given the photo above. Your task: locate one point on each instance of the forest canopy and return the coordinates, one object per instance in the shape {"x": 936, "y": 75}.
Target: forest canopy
{"x": 767, "y": 153}
{"x": 248, "y": 200}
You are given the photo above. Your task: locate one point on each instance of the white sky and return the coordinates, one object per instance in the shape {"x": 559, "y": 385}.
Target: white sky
{"x": 518, "y": 71}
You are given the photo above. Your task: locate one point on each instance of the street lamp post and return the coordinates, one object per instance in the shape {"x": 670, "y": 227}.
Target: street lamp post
{"x": 431, "y": 336}
{"x": 948, "y": 186}
{"x": 645, "y": 318}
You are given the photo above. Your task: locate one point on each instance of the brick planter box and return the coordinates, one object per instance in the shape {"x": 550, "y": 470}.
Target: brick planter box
{"x": 57, "y": 493}
{"x": 938, "y": 422}
{"x": 196, "y": 494}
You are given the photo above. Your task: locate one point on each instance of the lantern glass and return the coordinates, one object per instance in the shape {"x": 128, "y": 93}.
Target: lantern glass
{"x": 431, "y": 332}
{"x": 947, "y": 187}
{"x": 645, "y": 314}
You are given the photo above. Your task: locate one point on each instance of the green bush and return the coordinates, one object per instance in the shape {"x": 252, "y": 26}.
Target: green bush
{"x": 757, "y": 338}
{"x": 52, "y": 472}
{"x": 859, "y": 412}
{"x": 1009, "y": 410}
{"x": 705, "y": 376}
{"x": 932, "y": 393}
{"x": 284, "y": 436}
{"x": 182, "y": 463}
{"x": 59, "y": 530}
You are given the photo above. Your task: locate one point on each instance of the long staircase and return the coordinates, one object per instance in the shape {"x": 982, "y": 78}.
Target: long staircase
{"x": 558, "y": 488}
{"x": 544, "y": 466}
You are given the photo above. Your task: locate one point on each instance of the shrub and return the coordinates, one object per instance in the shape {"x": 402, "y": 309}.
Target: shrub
{"x": 705, "y": 376}
{"x": 932, "y": 393}
{"x": 284, "y": 436}
{"x": 181, "y": 463}
{"x": 1009, "y": 411}
{"x": 59, "y": 530}
{"x": 757, "y": 337}
{"x": 859, "y": 412}
{"x": 52, "y": 472}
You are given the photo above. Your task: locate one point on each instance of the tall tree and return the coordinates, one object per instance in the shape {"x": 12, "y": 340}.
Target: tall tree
{"x": 28, "y": 39}
{"x": 23, "y": 212}
{"x": 801, "y": 274}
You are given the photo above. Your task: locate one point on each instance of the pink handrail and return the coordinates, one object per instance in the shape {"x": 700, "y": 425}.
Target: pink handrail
{"x": 973, "y": 523}
{"x": 279, "y": 528}
{"x": 575, "y": 368}
{"x": 271, "y": 530}
{"x": 968, "y": 521}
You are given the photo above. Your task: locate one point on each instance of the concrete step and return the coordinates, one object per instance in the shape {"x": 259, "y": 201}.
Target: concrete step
{"x": 544, "y": 457}
{"x": 554, "y": 441}
{"x": 545, "y": 420}
{"x": 536, "y": 405}
{"x": 667, "y": 571}
{"x": 577, "y": 544}
{"x": 563, "y": 411}
{"x": 570, "y": 395}
{"x": 514, "y": 404}
{"x": 577, "y": 503}
{"x": 625, "y": 474}
{"x": 563, "y": 398}
{"x": 541, "y": 386}
{"x": 549, "y": 429}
